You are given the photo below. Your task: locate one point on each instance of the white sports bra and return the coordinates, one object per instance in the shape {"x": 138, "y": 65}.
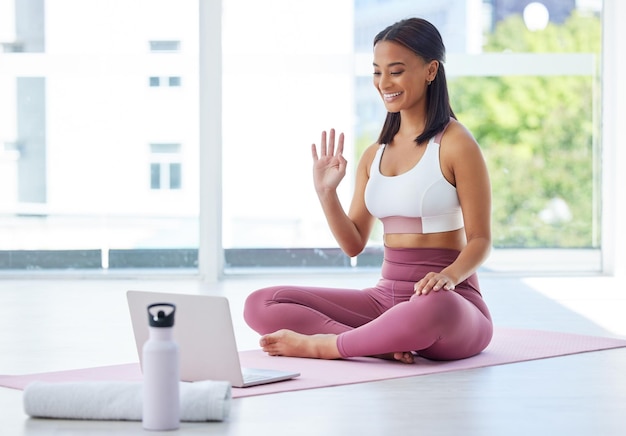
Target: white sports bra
{"x": 418, "y": 201}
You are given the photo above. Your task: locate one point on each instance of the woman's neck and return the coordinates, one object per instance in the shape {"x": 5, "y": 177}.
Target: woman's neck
{"x": 412, "y": 124}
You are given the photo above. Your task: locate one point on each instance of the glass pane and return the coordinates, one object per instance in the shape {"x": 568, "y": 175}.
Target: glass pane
{"x": 538, "y": 139}
{"x": 175, "y": 176}
{"x": 280, "y": 90}
{"x": 540, "y": 135}
{"x": 534, "y": 116}
{"x": 155, "y": 176}
{"x": 80, "y": 186}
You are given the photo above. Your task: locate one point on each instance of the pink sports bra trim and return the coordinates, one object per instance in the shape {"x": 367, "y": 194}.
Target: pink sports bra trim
{"x": 439, "y": 135}
{"x": 431, "y": 224}
{"x": 402, "y": 224}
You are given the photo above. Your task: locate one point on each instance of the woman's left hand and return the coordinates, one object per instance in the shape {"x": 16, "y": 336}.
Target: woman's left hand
{"x": 433, "y": 282}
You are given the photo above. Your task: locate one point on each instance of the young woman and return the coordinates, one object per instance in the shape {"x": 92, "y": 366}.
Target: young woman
{"x": 426, "y": 180}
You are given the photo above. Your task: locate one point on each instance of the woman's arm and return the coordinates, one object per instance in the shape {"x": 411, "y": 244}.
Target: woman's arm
{"x": 329, "y": 167}
{"x": 464, "y": 166}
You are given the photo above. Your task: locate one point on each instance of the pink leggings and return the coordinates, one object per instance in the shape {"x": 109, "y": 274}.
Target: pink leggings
{"x": 389, "y": 317}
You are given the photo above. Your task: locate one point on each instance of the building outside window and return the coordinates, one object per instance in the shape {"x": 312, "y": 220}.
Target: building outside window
{"x": 165, "y": 166}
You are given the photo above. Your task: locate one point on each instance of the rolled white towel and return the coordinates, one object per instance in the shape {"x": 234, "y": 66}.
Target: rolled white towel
{"x": 100, "y": 400}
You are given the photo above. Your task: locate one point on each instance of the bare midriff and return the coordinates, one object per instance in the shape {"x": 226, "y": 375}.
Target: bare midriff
{"x": 454, "y": 240}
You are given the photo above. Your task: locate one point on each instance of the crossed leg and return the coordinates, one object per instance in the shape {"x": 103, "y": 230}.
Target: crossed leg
{"x": 307, "y": 320}
{"x": 440, "y": 325}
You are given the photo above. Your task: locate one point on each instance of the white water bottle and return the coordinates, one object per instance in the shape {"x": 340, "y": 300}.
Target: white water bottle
{"x": 161, "y": 379}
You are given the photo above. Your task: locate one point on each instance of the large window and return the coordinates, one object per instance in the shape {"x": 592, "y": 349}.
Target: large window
{"x": 100, "y": 167}
{"x": 523, "y": 77}
{"x": 100, "y": 147}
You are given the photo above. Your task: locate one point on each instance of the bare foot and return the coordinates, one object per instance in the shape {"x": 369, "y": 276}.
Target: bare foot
{"x": 292, "y": 344}
{"x": 404, "y": 357}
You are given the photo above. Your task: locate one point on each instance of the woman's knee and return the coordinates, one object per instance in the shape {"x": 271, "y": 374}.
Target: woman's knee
{"x": 254, "y": 307}
{"x": 462, "y": 328}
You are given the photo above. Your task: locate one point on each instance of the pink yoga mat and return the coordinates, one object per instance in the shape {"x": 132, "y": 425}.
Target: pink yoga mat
{"x": 507, "y": 346}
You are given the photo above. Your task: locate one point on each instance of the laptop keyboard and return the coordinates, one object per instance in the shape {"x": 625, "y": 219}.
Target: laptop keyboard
{"x": 251, "y": 377}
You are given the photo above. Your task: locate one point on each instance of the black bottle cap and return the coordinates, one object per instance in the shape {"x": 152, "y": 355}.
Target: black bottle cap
{"x": 161, "y": 314}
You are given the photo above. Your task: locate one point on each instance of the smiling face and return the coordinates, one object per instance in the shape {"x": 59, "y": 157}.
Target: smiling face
{"x": 401, "y": 76}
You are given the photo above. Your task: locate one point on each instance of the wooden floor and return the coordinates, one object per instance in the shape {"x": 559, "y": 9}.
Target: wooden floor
{"x": 58, "y": 324}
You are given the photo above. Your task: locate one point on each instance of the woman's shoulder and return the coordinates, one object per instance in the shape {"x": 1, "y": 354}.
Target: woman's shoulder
{"x": 371, "y": 150}
{"x": 368, "y": 155}
{"x": 456, "y": 135}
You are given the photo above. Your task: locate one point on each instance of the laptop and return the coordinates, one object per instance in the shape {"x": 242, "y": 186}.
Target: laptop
{"x": 203, "y": 330}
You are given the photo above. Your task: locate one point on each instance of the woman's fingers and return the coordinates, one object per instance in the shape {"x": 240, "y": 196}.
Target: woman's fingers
{"x": 340, "y": 144}
{"x": 433, "y": 282}
{"x": 323, "y": 145}
{"x": 327, "y": 145}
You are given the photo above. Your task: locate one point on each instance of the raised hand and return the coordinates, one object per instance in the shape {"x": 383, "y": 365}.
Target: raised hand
{"x": 329, "y": 167}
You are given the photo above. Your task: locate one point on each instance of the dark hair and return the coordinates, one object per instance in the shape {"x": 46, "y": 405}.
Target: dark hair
{"x": 422, "y": 38}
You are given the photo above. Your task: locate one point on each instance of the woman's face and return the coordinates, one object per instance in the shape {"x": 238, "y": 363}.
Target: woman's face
{"x": 401, "y": 76}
